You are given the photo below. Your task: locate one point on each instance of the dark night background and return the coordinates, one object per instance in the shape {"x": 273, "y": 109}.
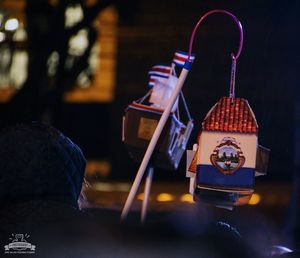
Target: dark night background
{"x": 149, "y": 32}
{"x": 267, "y": 74}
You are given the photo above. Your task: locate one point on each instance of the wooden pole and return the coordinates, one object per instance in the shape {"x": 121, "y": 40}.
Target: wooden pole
{"x": 148, "y": 184}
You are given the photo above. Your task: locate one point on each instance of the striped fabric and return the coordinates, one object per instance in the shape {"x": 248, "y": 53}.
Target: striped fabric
{"x": 160, "y": 71}
{"x": 180, "y": 57}
{"x": 152, "y": 82}
{"x": 157, "y": 73}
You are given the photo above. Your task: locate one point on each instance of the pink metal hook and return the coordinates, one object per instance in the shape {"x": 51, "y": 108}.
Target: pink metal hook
{"x": 212, "y": 12}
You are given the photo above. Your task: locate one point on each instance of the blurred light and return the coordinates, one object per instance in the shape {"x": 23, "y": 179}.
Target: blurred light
{"x": 53, "y": 2}
{"x": 140, "y": 197}
{"x": 187, "y": 198}
{"x": 165, "y": 197}
{"x": 52, "y": 64}
{"x": 96, "y": 167}
{"x": 255, "y": 199}
{"x": 73, "y": 15}
{"x": 2, "y": 36}
{"x": 103, "y": 187}
{"x": 111, "y": 187}
{"x": 11, "y": 24}
{"x": 78, "y": 43}
{"x": 20, "y": 35}
{"x": 18, "y": 69}
{"x": 83, "y": 80}
{"x": 122, "y": 187}
{"x": 1, "y": 18}
{"x": 277, "y": 250}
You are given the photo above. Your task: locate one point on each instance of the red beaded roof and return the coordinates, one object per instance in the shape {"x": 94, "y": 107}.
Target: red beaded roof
{"x": 231, "y": 115}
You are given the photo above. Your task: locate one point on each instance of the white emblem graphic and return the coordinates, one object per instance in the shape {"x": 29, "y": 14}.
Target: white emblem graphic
{"x": 228, "y": 157}
{"x": 19, "y": 245}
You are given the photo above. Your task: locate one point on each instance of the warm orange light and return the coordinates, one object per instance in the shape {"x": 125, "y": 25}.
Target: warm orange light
{"x": 255, "y": 199}
{"x": 140, "y": 197}
{"x": 187, "y": 198}
{"x": 165, "y": 197}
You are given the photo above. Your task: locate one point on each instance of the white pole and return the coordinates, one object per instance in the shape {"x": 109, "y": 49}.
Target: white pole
{"x": 152, "y": 143}
{"x": 147, "y": 193}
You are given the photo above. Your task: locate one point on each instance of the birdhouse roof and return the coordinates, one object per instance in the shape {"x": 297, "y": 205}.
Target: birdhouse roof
{"x": 231, "y": 115}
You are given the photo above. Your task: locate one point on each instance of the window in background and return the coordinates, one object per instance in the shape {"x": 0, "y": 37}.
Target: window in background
{"x": 94, "y": 84}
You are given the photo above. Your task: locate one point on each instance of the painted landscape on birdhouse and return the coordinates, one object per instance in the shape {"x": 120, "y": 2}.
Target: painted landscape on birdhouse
{"x": 227, "y": 156}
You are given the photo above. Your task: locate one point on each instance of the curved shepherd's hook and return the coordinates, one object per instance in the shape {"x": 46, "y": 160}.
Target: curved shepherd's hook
{"x": 212, "y": 12}
{"x": 233, "y": 57}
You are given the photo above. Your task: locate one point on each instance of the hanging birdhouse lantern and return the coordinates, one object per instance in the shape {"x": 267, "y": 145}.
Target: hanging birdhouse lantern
{"x": 227, "y": 153}
{"x": 142, "y": 116}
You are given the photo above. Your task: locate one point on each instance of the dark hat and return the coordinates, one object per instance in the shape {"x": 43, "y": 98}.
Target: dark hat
{"x": 37, "y": 162}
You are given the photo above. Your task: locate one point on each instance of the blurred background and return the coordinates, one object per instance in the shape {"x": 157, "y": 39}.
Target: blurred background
{"x": 77, "y": 64}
